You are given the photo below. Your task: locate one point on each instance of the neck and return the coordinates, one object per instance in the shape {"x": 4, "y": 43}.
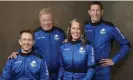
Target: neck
{"x": 75, "y": 42}
{"x": 48, "y": 31}
{"x": 75, "y": 39}
{"x": 25, "y": 52}
{"x": 95, "y": 23}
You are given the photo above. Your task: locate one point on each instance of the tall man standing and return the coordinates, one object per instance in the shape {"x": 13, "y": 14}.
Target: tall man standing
{"x": 48, "y": 39}
{"x": 101, "y": 33}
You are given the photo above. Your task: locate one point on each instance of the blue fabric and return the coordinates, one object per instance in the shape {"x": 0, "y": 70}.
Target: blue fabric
{"x": 23, "y": 67}
{"x": 76, "y": 62}
{"x": 53, "y": 76}
{"x": 47, "y": 44}
{"x": 101, "y": 35}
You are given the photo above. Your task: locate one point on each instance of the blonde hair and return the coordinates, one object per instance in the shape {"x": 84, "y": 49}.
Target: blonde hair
{"x": 46, "y": 11}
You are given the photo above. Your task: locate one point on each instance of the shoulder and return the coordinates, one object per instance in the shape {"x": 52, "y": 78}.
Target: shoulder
{"x": 11, "y": 60}
{"x": 108, "y": 23}
{"x": 38, "y": 56}
{"x": 58, "y": 29}
{"x": 89, "y": 46}
{"x": 37, "y": 29}
{"x": 65, "y": 44}
{"x": 86, "y": 22}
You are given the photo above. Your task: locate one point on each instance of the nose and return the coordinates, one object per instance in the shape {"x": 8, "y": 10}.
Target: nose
{"x": 26, "y": 42}
{"x": 76, "y": 31}
{"x": 95, "y": 12}
{"x": 46, "y": 22}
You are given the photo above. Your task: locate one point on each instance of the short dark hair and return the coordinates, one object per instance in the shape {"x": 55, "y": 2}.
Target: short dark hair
{"x": 97, "y": 3}
{"x": 27, "y": 31}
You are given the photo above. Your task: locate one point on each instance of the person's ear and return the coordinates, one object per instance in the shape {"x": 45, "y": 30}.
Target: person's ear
{"x": 33, "y": 42}
{"x": 89, "y": 12}
{"x": 19, "y": 41}
{"x": 68, "y": 29}
{"x": 102, "y": 12}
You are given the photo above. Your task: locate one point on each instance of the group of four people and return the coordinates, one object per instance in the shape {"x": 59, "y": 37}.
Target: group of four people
{"x": 83, "y": 55}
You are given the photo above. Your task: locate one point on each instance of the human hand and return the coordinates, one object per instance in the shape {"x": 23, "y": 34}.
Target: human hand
{"x": 106, "y": 62}
{"x": 13, "y": 55}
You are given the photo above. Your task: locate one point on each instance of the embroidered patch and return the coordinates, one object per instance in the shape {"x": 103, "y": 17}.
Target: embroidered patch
{"x": 102, "y": 31}
{"x": 66, "y": 49}
{"x": 40, "y": 37}
{"x": 88, "y": 30}
{"x": 56, "y": 37}
{"x": 33, "y": 63}
{"x": 18, "y": 62}
{"x": 81, "y": 50}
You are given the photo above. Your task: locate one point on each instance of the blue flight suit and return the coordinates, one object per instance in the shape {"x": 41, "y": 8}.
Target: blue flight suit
{"x": 101, "y": 35}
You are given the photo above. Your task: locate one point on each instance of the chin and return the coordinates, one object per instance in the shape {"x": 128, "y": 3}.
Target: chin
{"x": 95, "y": 21}
{"x": 47, "y": 29}
{"x": 76, "y": 39}
{"x": 27, "y": 49}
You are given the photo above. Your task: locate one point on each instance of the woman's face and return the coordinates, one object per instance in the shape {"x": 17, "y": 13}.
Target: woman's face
{"x": 75, "y": 31}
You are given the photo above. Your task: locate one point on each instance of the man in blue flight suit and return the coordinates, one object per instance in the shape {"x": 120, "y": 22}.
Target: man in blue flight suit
{"x": 101, "y": 33}
{"x": 48, "y": 39}
{"x": 27, "y": 65}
